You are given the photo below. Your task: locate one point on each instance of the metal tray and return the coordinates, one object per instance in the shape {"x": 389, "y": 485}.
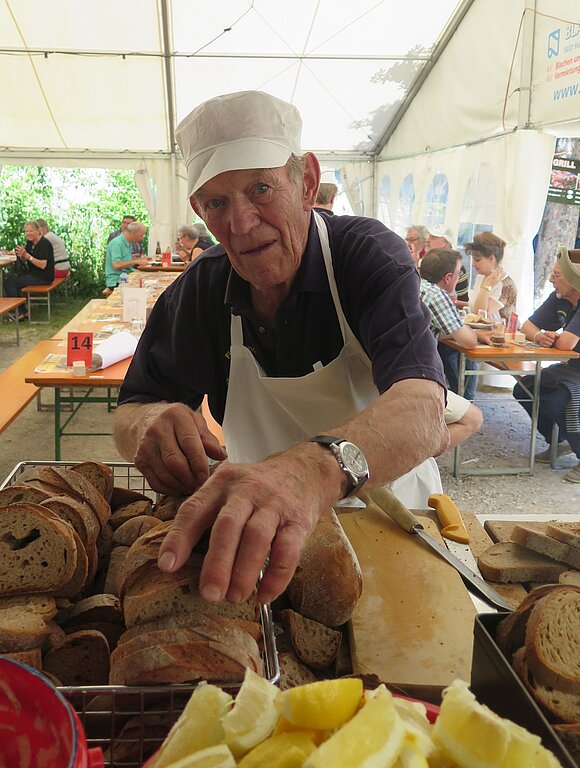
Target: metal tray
{"x": 146, "y": 712}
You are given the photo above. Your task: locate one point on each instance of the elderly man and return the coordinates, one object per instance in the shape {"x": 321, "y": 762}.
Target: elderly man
{"x": 120, "y": 257}
{"x": 560, "y": 383}
{"x": 439, "y": 272}
{"x": 136, "y": 247}
{"x": 309, "y": 338}
{"x": 416, "y": 239}
{"x": 327, "y": 192}
{"x": 34, "y": 266}
{"x": 61, "y": 262}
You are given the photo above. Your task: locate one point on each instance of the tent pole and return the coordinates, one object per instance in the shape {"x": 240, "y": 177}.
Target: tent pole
{"x": 171, "y": 111}
{"x": 527, "y": 43}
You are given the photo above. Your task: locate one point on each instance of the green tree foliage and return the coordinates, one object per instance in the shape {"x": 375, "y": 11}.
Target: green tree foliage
{"x": 81, "y": 205}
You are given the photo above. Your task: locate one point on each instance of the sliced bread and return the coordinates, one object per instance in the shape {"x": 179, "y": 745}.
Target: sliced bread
{"x": 546, "y": 545}
{"x": 98, "y": 474}
{"x": 93, "y": 609}
{"x": 81, "y": 658}
{"x": 32, "y": 657}
{"x": 129, "y": 511}
{"x": 176, "y": 663}
{"x": 293, "y": 672}
{"x": 553, "y": 641}
{"x": 570, "y": 577}
{"x": 315, "y": 644}
{"x": 23, "y": 622}
{"x": 122, "y": 496}
{"x": 166, "y": 508}
{"x": 38, "y": 553}
{"x": 23, "y": 492}
{"x": 179, "y": 620}
{"x": 75, "y": 484}
{"x": 116, "y": 561}
{"x": 79, "y": 579}
{"x": 562, "y": 706}
{"x": 509, "y": 562}
{"x": 568, "y": 533}
{"x": 128, "y": 532}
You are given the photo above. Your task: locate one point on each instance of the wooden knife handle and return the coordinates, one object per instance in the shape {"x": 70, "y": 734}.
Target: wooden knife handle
{"x": 398, "y": 512}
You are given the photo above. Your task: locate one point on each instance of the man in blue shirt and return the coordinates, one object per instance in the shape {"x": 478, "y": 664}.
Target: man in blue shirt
{"x": 560, "y": 383}
{"x": 120, "y": 257}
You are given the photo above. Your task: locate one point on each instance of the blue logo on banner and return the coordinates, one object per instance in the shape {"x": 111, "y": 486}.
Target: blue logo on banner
{"x": 554, "y": 43}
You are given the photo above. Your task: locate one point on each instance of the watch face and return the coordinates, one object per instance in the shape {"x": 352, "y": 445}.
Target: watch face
{"x": 354, "y": 458}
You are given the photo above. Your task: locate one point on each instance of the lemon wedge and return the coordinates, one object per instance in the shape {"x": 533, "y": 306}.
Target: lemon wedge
{"x": 324, "y": 705}
{"x": 212, "y": 757}
{"x": 475, "y": 737}
{"x": 286, "y": 750}
{"x": 253, "y": 716}
{"x": 411, "y": 756}
{"x": 373, "y": 738}
{"x": 198, "y": 727}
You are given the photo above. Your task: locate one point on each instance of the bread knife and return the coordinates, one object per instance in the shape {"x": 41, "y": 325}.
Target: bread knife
{"x": 450, "y": 518}
{"x": 386, "y": 502}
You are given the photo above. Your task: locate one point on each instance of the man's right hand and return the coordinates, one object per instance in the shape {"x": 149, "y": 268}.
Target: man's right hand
{"x": 170, "y": 443}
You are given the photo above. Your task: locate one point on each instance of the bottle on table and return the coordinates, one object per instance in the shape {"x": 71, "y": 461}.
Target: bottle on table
{"x": 123, "y": 280}
{"x": 166, "y": 258}
{"x": 158, "y": 251}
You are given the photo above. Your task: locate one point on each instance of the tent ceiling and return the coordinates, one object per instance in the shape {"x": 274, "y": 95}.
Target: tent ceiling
{"x": 94, "y": 78}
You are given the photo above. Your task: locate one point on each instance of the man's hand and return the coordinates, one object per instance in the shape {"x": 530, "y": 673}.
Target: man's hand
{"x": 171, "y": 446}
{"x": 254, "y": 509}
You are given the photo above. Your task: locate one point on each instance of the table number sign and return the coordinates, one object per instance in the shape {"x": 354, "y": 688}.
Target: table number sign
{"x": 79, "y": 347}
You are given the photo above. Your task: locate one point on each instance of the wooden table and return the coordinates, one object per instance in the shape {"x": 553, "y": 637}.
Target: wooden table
{"x": 5, "y": 261}
{"x": 161, "y": 268}
{"x": 7, "y": 307}
{"x": 105, "y": 379}
{"x": 511, "y": 360}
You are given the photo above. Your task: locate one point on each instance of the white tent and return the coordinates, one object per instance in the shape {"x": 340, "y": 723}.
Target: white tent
{"x": 432, "y": 111}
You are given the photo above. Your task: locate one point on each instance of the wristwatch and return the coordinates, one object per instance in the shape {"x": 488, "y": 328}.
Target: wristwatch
{"x": 487, "y": 287}
{"x": 350, "y": 459}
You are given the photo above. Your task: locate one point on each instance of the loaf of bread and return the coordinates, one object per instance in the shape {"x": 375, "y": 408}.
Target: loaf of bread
{"x": 328, "y": 581}
{"x": 509, "y": 563}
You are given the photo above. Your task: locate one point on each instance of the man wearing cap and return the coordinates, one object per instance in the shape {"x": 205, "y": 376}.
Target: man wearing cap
{"x": 560, "y": 383}
{"x": 327, "y": 192}
{"x": 309, "y": 338}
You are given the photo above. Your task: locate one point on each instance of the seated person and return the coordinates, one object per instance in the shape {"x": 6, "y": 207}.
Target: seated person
{"x": 119, "y": 255}
{"x": 204, "y": 240}
{"x": 61, "y": 262}
{"x": 439, "y": 273}
{"x": 186, "y": 246}
{"x": 560, "y": 383}
{"x": 34, "y": 265}
{"x": 441, "y": 236}
{"x": 493, "y": 291}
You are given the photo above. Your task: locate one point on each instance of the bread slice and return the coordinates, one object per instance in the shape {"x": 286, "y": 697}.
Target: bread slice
{"x": 509, "y": 562}
{"x": 23, "y": 492}
{"x": 166, "y": 508}
{"x": 75, "y": 484}
{"x": 315, "y": 644}
{"x": 180, "y": 620}
{"x": 84, "y": 522}
{"x": 81, "y": 658}
{"x": 511, "y": 631}
{"x": 568, "y": 533}
{"x": 79, "y": 578}
{"x": 553, "y": 641}
{"x": 23, "y": 622}
{"x": 293, "y": 672}
{"x": 99, "y": 475}
{"x": 129, "y": 511}
{"x": 128, "y": 532}
{"x": 160, "y": 594}
{"x": 570, "y": 577}
{"x": 122, "y": 496}
{"x": 563, "y": 706}
{"x": 114, "y": 570}
{"x": 530, "y": 538}
{"x": 93, "y": 609}
{"x": 176, "y": 663}
{"x": 38, "y": 553}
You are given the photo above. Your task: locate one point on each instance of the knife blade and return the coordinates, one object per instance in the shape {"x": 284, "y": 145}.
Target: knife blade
{"x": 386, "y": 502}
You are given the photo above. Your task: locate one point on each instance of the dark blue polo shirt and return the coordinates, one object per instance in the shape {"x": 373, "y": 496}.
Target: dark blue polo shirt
{"x": 184, "y": 350}
{"x": 557, "y": 313}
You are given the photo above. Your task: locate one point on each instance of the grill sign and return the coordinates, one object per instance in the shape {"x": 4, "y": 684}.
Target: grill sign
{"x": 564, "y": 181}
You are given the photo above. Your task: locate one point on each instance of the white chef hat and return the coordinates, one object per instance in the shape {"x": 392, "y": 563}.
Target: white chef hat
{"x": 570, "y": 269}
{"x": 248, "y": 129}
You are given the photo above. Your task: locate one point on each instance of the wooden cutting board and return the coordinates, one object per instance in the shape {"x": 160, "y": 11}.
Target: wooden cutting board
{"x": 413, "y": 626}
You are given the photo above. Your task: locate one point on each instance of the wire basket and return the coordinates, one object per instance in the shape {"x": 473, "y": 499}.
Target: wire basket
{"x": 129, "y": 723}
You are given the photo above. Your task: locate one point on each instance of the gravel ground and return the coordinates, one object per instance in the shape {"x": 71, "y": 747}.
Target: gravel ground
{"x": 502, "y": 441}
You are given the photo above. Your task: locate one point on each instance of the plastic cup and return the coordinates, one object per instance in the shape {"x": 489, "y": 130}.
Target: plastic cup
{"x": 498, "y": 333}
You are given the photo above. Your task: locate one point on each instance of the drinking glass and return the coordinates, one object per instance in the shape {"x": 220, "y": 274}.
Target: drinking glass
{"x": 498, "y": 333}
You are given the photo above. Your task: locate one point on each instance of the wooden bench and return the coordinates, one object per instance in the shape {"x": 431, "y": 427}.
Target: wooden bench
{"x": 40, "y": 294}
{"x": 16, "y": 393}
{"x": 9, "y": 307}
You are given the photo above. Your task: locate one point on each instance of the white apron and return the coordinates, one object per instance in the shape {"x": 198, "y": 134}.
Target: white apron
{"x": 266, "y": 415}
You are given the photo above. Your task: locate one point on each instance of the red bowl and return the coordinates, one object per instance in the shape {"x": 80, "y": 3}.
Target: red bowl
{"x": 39, "y": 726}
